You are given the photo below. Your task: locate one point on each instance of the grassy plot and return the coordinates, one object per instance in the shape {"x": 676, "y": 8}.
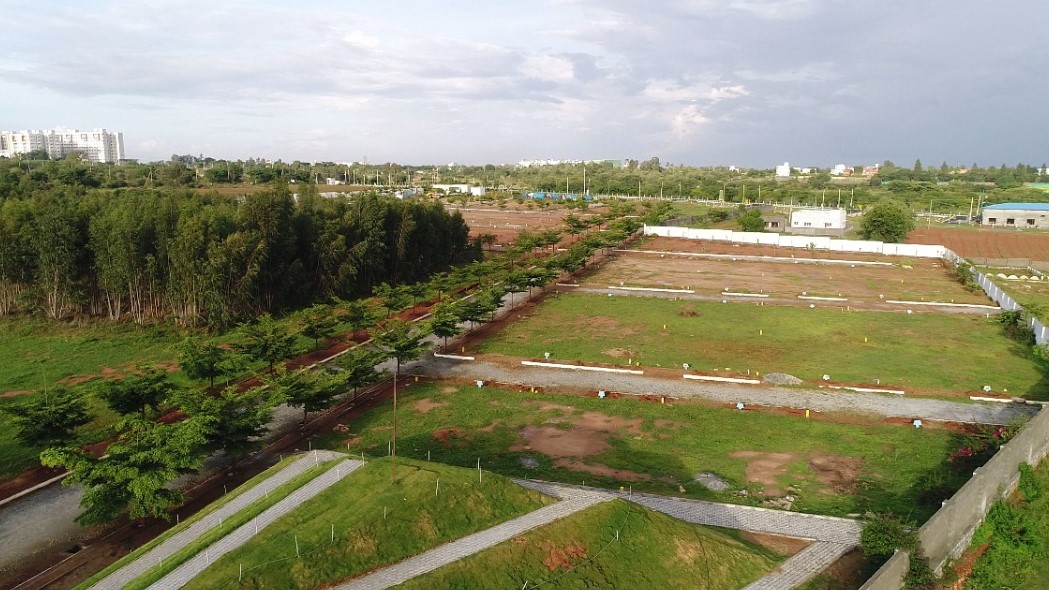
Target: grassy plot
{"x": 1033, "y": 296}
{"x": 934, "y": 352}
{"x": 653, "y": 550}
{"x": 376, "y": 522}
{"x": 210, "y": 508}
{"x": 828, "y": 468}
{"x": 1015, "y": 536}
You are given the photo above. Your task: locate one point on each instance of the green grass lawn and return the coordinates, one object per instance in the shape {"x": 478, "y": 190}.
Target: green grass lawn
{"x": 1033, "y": 296}
{"x": 377, "y": 522}
{"x": 830, "y": 468}
{"x": 938, "y": 353}
{"x": 653, "y": 551}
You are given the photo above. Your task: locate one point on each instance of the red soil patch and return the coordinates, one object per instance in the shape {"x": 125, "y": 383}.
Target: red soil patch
{"x": 986, "y": 243}
{"x": 765, "y": 468}
{"x": 787, "y": 546}
{"x": 425, "y": 405}
{"x": 963, "y": 568}
{"x": 447, "y": 436}
{"x": 16, "y": 392}
{"x": 662, "y": 244}
{"x": 837, "y": 473}
{"x": 563, "y": 557}
{"x": 558, "y": 443}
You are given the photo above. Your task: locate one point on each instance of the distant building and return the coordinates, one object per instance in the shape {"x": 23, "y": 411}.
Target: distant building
{"x": 783, "y": 170}
{"x": 841, "y": 170}
{"x": 462, "y": 189}
{"x": 869, "y": 171}
{"x": 97, "y": 145}
{"x": 775, "y": 223}
{"x": 1022, "y": 215}
{"x": 818, "y": 221}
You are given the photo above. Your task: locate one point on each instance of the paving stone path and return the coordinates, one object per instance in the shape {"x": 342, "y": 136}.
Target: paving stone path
{"x": 181, "y": 575}
{"x": 572, "y": 501}
{"x": 821, "y": 401}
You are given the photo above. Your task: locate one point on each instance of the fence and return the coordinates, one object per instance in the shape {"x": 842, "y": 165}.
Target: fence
{"x": 1038, "y": 265}
{"x": 950, "y": 530}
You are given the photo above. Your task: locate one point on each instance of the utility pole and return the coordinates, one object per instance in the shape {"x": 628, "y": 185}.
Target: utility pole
{"x": 971, "y": 201}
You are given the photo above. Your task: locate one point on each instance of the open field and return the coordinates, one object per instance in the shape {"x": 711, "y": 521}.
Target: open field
{"x": 505, "y": 224}
{"x": 826, "y": 468}
{"x": 924, "y": 280}
{"x": 377, "y": 522}
{"x": 931, "y": 354}
{"x": 581, "y": 551}
{"x": 986, "y": 243}
{"x": 1034, "y": 296}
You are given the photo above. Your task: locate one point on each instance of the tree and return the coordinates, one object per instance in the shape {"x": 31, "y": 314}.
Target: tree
{"x": 404, "y": 342}
{"x": 476, "y": 310}
{"x": 515, "y": 282}
{"x": 887, "y": 221}
{"x": 318, "y": 322}
{"x": 135, "y": 474}
{"x": 487, "y": 240}
{"x": 310, "y": 390}
{"x": 918, "y": 169}
{"x": 235, "y": 421}
{"x": 204, "y": 359}
{"x": 574, "y": 224}
{"x": 49, "y": 418}
{"x": 445, "y": 322}
{"x": 751, "y": 221}
{"x": 359, "y": 365}
{"x": 136, "y": 393}
{"x": 267, "y": 340}
{"x": 358, "y": 314}
{"x": 394, "y": 297}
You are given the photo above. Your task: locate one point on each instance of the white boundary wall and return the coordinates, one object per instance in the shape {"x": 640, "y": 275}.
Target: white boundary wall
{"x": 1041, "y": 332}
{"x": 791, "y": 241}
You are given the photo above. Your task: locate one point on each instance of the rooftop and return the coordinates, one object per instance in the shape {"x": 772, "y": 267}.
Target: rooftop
{"x": 1020, "y": 206}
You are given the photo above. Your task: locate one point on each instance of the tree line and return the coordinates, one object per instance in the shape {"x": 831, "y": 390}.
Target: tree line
{"x": 213, "y": 260}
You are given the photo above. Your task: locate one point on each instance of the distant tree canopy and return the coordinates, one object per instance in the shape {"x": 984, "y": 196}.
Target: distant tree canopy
{"x": 210, "y": 259}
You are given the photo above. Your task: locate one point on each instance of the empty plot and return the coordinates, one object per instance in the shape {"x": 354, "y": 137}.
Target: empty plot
{"x": 932, "y": 354}
{"x": 986, "y": 243}
{"x": 864, "y": 286}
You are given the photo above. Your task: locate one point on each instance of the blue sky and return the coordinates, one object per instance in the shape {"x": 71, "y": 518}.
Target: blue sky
{"x": 701, "y": 82}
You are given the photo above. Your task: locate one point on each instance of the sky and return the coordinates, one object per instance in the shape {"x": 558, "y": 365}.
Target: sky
{"x": 693, "y": 82}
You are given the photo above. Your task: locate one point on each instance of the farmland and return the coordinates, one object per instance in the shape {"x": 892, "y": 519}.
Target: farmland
{"x": 896, "y": 349}
{"x": 986, "y": 243}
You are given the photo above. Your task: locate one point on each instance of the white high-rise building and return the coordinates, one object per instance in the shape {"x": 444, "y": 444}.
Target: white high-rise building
{"x": 97, "y": 145}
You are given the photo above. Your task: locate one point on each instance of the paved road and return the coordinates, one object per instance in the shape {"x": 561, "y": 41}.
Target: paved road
{"x": 840, "y": 401}
{"x": 174, "y": 543}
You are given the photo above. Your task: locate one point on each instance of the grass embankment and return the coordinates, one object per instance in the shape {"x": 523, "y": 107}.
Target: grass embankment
{"x": 1033, "y": 296}
{"x": 938, "y": 353}
{"x": 1016, "y": 534}
{"x": 377, "y": 522}
{"x": 228, "y": 525}
{"x": 210, "y": 508}
{"x": 829, "y": 468}
{"x": 653, "y": 551}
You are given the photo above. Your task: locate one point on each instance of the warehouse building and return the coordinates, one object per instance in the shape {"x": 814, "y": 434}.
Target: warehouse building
{"x": 1021, "y": 215}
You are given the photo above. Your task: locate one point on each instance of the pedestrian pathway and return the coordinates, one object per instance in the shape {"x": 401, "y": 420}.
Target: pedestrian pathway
{"x": 803, "y": 566}
{"x": 572, "y": 501}
{"x": 766, "y": 395}
{"x": 832, "y": 537}
{"x": 181, "y": 575}
{"x": 177, "y": 541}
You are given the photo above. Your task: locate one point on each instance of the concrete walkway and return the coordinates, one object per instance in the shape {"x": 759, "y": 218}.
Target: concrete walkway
{"x": 573, "y": 500}
{"x": 821, "y": 401}
{"x": 832, "y": 537}
{"x": 181, "y": 575}
{"x": 176, "y": 542}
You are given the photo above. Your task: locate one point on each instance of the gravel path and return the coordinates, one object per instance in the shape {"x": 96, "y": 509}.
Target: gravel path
{"x": 174, "y": 543}
{"x": 40, "y": 522}
{"x": 840, "y": 401}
